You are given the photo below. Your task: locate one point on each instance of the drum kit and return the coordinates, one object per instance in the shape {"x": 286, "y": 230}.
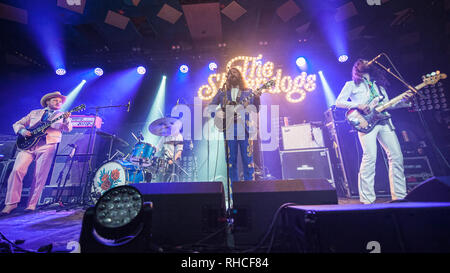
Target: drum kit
{"x": 141, "y": 165}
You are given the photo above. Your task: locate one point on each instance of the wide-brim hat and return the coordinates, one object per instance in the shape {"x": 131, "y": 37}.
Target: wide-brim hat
{"x": 52, "y": 95}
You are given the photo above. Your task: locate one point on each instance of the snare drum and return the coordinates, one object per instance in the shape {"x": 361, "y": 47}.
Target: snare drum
{"x": 143, "y": 153}
{"x": 116, "y": 173}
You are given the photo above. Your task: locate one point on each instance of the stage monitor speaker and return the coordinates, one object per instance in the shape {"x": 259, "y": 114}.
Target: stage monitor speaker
{"x": 185, "y": 212}
{"x": 435, "y": 189}
{"x": 255, "y": 203}
{"x": 406, "y": 227}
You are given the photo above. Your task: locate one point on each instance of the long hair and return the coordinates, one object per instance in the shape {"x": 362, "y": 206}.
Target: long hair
{"x": 242, "y": 84}
{"x": 376, "y": 74}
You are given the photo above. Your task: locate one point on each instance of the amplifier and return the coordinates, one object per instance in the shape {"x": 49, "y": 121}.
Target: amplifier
{"x": 417, "y": 170}
{"x": 85, "y": 121}
{"x": 307, "y": 164}
{"x": 7, "y": 149}
{"x": 302, "y": 136}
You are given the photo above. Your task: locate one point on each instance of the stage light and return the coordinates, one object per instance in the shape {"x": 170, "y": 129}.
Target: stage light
{"x": 156, "y": 111}
{"x": 301, "y": 62}
{"x": 98, "y": 71}
{"x": 343, "y": 58}
{"x": 119, "y": 222}
{"x": 184, "y": 68}
{"x": 212, "y": 66}
{"x": 329, "y": 95}
{"x": 72, "y": 96}
{"x": 60, "y": 71}
{"x": 141, "y": 70}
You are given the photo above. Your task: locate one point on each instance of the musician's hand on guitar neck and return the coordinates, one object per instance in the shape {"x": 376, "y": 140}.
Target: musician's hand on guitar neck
{"x": 67, "y": 115}
{"x": 364, "y": 108}
{"x": 26, "y": 133}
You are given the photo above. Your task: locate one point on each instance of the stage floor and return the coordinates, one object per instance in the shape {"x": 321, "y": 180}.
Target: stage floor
{"x": 60, "y": 227}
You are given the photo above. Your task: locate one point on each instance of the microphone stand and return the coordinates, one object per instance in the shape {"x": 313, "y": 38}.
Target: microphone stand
{"x": 410, "y": 87}
{"x": 88, "y": 183}
{"x": 72, "y": 156}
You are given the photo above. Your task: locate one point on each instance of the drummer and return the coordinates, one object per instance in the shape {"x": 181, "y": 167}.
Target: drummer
{"x": 172, "y": 145}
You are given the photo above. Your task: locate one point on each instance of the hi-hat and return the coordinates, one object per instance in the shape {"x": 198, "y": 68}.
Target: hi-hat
{"x": 165, "y": 126}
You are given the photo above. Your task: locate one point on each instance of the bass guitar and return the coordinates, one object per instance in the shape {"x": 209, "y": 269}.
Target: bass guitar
{"x": 39, "y": 130}
{"x": 365, "y": 121}
{"x": 220, "y": 120}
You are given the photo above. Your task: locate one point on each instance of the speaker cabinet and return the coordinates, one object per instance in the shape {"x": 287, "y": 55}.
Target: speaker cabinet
{"x": 185, "y": 212}
{"x": 435, "y": 189}
{"x": 307, "y": 164}
{"x": 379, "y": 228}
{"x": 255, "y": 203}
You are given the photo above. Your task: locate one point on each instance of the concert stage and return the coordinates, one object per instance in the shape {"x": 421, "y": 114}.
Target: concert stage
{"x": 348, "y": 227}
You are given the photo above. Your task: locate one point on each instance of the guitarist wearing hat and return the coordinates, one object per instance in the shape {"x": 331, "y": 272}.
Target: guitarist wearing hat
{"x": 234, "y": 92}
{"x": 42, "y": 152}
{"x": 365, "y": 91}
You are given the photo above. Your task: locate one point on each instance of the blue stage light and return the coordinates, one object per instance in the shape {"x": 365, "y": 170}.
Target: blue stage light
{"x": 98, "y": 71}
{"x": 301, "y": 62}
{"x": 60, "y": 71}
{"x": 343, "y": 58}
{"x": 212, "y": 66}
{"x": 184, "y": 68}
{"x": 141, "y": 70}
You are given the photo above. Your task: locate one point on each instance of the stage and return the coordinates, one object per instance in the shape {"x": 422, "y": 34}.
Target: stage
{"x": 61, "y": 229}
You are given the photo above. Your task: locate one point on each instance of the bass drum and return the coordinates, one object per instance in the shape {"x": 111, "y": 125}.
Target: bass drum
{"x": 117, "y": 173}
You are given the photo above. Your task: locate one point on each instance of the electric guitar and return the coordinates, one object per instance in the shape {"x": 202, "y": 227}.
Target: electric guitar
{"x": 365, "y": 122}
{"x": 220, "y": 120}
{"x": 39, "y": 130}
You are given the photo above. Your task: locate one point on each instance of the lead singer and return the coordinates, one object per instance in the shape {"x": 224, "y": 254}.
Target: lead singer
{"x": 232, "y": 93}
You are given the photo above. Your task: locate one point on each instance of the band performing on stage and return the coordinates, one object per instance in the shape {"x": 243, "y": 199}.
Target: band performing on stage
{"x": 224, "y": 126}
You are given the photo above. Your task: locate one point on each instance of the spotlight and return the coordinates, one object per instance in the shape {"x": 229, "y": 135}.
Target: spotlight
{"x": 98, "y": 71}
{"x": 141, "y": 70}
{"x": 184, "y": 68}
{"x": 119, "y": 222}
{"x": 212, "y": 66}
{"x": 60, "y": 71}
{"x": 343, "y": 58}
{"x": 300, "y": 61}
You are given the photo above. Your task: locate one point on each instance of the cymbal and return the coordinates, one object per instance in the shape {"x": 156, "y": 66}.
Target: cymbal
{"x": 165, "y": 126}
{"x": 114, "y": 137}
{"x": 174, "y": 142}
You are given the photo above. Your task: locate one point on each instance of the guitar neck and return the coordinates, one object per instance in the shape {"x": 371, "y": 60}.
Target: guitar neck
{"x": 397, "y": 99}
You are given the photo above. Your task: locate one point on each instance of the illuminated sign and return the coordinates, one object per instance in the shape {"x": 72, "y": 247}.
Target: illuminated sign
{"x": 256, "y": 73}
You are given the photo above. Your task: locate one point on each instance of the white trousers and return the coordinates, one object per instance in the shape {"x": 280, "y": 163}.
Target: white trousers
{"x": 366, "y": 178}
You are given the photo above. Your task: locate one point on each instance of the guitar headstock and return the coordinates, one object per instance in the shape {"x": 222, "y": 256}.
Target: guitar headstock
{"x": 433, "y": 77}
{"x": 265, "y": 86}
{"x": 79, "y": 108}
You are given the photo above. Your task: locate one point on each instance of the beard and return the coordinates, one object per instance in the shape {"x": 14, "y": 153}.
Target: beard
{"x": 233, "y": 80}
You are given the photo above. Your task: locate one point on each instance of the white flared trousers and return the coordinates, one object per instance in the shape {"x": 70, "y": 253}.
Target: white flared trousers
{"x": 366, "y": 177}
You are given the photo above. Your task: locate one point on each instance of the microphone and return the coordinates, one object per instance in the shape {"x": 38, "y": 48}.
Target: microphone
{"x": 128, "y": 106}
{"x": 374, "y": 59}
{"x": 141, "y": 136}
{"x": 72, "y": 145}
{"x": 178, "y": 101}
